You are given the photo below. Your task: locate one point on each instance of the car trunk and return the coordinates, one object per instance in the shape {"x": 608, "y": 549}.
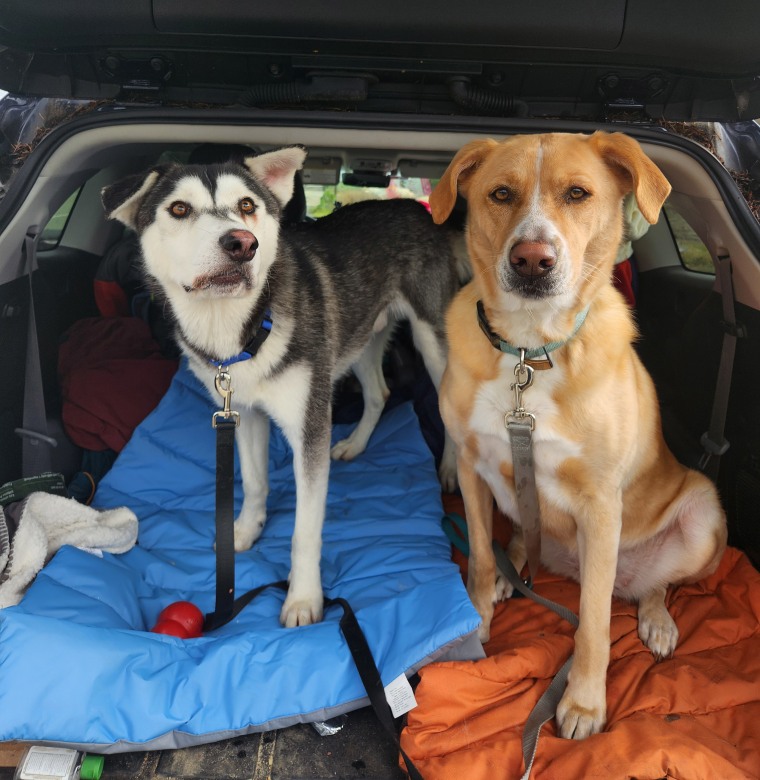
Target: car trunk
{"x": 383, "y": 93}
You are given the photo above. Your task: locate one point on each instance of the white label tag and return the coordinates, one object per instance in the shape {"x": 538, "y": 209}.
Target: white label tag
{"x": 400, "y": 696}
{"x": 98, "y": 553}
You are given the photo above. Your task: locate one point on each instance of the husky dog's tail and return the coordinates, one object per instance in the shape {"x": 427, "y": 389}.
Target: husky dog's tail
{"x": 461, "y": 255}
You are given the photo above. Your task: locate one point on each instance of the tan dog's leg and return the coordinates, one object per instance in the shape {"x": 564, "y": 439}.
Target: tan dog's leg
{"x": 481, "y": 568}
{"x": 583, "y": 708}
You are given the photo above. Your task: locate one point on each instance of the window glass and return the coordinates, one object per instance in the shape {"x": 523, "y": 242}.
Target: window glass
{"x": 51, "y": 235}
{"x": 322, "y": 199}
{"x": 695, "y": 256}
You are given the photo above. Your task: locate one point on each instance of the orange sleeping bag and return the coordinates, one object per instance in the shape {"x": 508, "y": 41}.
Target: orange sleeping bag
{"x": 695, "y": 716}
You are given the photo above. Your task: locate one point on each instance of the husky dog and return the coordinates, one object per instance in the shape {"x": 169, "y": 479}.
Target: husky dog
{"x": 331, "y": 291}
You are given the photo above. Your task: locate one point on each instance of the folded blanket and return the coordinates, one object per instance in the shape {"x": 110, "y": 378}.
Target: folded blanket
{"x": 33, "y": 529}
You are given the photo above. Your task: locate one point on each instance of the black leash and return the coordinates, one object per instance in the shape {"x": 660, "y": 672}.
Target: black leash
{"x": 227, "y": 607}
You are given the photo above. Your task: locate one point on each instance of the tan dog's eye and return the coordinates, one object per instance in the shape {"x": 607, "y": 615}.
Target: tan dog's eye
{"x": 247, "y": 206}
{"x": 179, "y": 209}
{"x": 576, "y": 193}
{"x": 502, "y": 195}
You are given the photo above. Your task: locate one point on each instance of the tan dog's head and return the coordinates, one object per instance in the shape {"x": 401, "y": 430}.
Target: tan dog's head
{"x": 545, "y": 213}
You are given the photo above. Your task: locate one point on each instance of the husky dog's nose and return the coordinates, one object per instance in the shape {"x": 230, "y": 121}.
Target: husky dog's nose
{"x": 240, "y": 245}
{"x": 532, "y": 259}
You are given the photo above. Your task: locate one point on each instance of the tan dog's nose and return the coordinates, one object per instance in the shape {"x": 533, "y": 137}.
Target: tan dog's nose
{"x": 240, "y": 245}
{"x": 532, "y": 259}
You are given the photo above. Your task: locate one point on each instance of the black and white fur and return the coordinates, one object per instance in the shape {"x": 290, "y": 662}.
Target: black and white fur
{"x": 211, "y": 241}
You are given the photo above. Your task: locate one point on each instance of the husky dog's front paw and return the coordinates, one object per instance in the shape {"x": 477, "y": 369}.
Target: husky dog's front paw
{"x": 348, "y": 448}
{"x": 301, "y": 610}
{"x": 248, "y": 528}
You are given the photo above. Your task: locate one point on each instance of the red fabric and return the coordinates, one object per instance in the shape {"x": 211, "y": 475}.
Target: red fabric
{"x": 695, "y": 716}
{"x": 112, "y": 375}
{"x": 111, "y": 299}
{"x": 622, "y": 278}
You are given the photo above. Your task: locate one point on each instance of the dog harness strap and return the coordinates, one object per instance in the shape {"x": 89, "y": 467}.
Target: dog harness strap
{"x": 546, "y": 706}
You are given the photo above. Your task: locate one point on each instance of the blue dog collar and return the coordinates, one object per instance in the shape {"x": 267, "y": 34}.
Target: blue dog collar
{"x": 529, "y": 354}
{"x": 253, "y": 346}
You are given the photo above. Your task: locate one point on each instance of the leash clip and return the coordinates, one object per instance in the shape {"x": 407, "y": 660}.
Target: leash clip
{"x": 223, "y": 384}
{"x": 523, "y": 380}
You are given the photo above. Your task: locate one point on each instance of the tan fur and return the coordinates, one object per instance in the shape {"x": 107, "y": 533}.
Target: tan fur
{"x": 618, "y": 512}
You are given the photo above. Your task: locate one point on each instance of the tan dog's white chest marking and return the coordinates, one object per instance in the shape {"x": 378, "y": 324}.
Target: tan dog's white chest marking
{"x": 618, "y": 512}
{"x": 487, "y": 422}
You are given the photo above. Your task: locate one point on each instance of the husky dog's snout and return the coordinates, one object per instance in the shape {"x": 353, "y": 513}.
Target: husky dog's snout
{"x": 532, "y": 259}
{"x": 240, "y": 245}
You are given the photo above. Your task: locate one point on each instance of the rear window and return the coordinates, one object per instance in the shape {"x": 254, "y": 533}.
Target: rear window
{"x": 53, "y": 231}
{"x": 323, "y": 199}
{"x": 695, "y": 256}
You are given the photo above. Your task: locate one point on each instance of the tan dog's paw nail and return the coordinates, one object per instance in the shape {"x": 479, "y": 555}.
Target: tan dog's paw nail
{"x": 576, "y": 721}
{"x": 658, "y": 631}
{"x": 504, "y": 589}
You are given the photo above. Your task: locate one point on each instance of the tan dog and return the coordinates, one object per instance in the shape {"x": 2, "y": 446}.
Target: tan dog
{"x": 618, "y": 512}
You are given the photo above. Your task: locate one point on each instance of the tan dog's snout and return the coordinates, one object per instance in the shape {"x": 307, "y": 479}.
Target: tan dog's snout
{"x": 239, "y": 245}
{"x": 532, "y": 259}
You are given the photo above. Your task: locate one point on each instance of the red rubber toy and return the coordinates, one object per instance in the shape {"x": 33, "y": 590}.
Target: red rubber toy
{"x": 182, "y": 619}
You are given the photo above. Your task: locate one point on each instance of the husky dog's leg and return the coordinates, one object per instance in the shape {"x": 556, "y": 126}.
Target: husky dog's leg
{"x": 311, "y": 465}
{"x": 253, "y": 451}
{"x": 369, "y": 372}
{"x": 433, "y": 350}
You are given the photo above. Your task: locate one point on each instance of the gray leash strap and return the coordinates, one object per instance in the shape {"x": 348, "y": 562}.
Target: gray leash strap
{"x": 521, "y": 439}
{"x": 546, "y": 707}
{"x": 520, "y": 424}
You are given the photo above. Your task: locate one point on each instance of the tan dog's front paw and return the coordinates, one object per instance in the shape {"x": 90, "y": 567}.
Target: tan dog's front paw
{"x": 657, "y": 629}
{"x": 486, "y": 615}
{"x": 578, "y": 719}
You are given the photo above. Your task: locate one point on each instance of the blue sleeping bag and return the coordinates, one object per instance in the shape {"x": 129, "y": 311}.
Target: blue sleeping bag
{"x": 79, "y": 666}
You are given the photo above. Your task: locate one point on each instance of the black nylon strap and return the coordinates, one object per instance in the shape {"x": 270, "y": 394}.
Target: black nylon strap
{"x": 228, "y": 607}
{"x": 225, "y": 510}
{"x": 370, "y": 676}
{"x": 360, "y": 653}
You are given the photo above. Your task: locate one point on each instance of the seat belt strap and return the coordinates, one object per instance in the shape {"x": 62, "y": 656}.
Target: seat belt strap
{"x": 713, "y": 440}
{"x": 36, "y": 443}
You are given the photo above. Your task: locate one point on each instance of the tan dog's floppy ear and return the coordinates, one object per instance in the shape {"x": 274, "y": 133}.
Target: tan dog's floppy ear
{"x": 467, "y": 159}
{"x": 648, "y": 184}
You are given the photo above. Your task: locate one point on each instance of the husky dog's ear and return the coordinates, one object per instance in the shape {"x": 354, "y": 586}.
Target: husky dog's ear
{"x": 277, "y": 170}
{"x": 122, "y": 200}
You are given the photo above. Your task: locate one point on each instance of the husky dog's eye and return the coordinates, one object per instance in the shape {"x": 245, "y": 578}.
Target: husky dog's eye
{"x": 502, "y": 195}
{"x": 179, "y": 209}
{"x": 247, "y": 206}
{"x": 577, "y": 193}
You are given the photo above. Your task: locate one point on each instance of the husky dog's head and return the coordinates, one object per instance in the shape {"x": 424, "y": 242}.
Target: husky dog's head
{"x": 208, "y": 231}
